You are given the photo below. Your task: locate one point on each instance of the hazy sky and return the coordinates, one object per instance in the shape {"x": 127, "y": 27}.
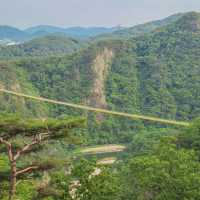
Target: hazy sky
{"x": 24, "y": 13}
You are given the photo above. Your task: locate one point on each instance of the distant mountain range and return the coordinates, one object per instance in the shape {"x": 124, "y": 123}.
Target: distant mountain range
{"x": 78, "y": 32}
{"x": 11, "y": 35}
{"x": 17, "y": 35}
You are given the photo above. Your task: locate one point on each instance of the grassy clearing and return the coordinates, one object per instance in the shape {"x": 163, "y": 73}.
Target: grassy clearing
{"x": 103, "y": 149}
{"x": 107, "y": 161}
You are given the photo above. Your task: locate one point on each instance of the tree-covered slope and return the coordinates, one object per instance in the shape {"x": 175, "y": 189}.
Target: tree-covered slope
{"x": 169, "y": 69}
{"x": 44, "y": 46}
{"x": 147, "y": 27}
{"x": 141, "y": 29}
{"x": 14, "y": 78}
{"x": 156, "y": 74}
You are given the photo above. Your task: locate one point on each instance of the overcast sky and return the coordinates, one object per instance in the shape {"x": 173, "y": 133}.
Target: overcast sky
{"x": 65, "y": 13}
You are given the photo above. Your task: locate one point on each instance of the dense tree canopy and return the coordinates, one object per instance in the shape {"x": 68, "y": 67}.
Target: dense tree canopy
{"x": 156, "y": 73}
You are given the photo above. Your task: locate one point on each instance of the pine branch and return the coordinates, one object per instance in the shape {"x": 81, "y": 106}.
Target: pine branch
{"x": 4, "y": 142}
{"x": 25, "y": 148}
{"x": 37, "y": 140}
{"x": 9, "y": 148}
{"x": 26, "y": 170}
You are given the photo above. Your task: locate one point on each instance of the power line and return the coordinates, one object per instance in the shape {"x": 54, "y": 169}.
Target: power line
{"x": 99, "y": 110}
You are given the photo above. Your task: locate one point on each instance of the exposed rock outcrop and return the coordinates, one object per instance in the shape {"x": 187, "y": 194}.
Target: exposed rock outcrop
{"x": 100, "y": 67}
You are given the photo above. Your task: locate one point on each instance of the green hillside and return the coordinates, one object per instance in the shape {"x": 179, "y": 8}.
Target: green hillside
{"x": 41, "y": 47}
{"x": 141, "y": 29}
{"x": 52, "y": 152}
{"x": 151, "y": 74}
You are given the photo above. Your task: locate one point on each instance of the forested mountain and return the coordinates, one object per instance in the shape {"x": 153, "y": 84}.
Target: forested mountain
{"x": 151, "y": 74}
{"x": 152, "y": 70}
{"x": 147, "y": 27}
{"x": 42, "y": 46}
{"x": 141, "y": 29}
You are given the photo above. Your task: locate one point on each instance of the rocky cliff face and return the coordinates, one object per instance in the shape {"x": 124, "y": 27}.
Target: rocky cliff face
{"x": 100, "y": 67}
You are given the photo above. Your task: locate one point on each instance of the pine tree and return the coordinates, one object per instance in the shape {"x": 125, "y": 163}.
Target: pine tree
{"x": 33, "y": 132}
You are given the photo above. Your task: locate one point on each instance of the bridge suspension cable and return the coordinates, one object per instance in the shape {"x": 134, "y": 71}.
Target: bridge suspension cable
{"x": 98, "y": 110}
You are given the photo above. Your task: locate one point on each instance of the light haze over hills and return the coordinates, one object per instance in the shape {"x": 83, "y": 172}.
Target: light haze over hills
{"x": 87, "y": 13}
{"x": 8, "y": 33}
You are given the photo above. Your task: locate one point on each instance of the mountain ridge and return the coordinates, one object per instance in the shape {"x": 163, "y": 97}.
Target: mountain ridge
{"x": 148, "y": 27}
{"x": 17, "y": 35}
